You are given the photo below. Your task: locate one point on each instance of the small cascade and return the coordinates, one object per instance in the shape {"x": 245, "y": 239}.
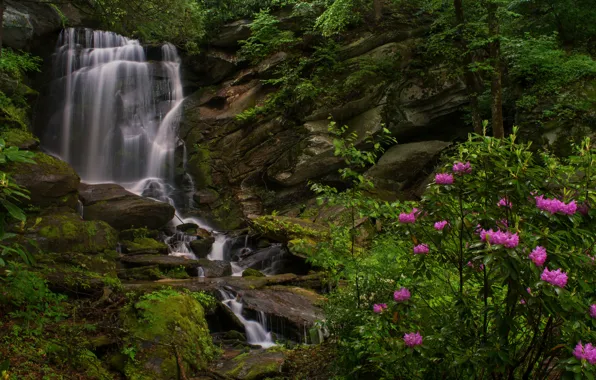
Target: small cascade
{"x": 220, "y": 247}
{"x": 80, "y": 208}
{"x": 200, "y": 272}
{"x": 237, "y": 270}
{"x": 179, "y": 245}
{"x": 256, "y": 332}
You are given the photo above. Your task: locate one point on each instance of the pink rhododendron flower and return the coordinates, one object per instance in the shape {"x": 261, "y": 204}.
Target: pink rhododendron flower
{"x": 461, "y": 168}
{"x": 555, "y": 206}
{"x": 443, "y": 179}
{"x": 379, "y": 307}
{"x": 413, "y": 339}
{"x": 503, "y": 202}
{"x": 440, "y": 225}
{"x": 401, "y": 295}
{"x": 555, "y": 277}
{"x": 421, "y": 249}
{"x": 538, "y": 256}
{"x": 522, "y": 301}
{"x": 587, "y": 352}
{"x": 408, "y": 217}
{"x": 529, "y": 290}
{"x": 593, "y": 311}
{"x": 470, "y": 264}
{"x": 505, "y": 238}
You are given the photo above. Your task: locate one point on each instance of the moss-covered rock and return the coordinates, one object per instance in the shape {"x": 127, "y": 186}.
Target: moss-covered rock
{"x": 284, "y": 229}
{"x": 169, "y": 334}
{"x": 66, "y": 232}
{"x": 253, "y": 365}
{"x": 167, "y": 263}
{"x": 149, "y": 273}
{"x": 144, "y": 245}
{"x": 249, "y": 272}
{"x": 134, "y": 233}
{"x": 20, "y": 138}
{"x": 202, "y": 247}
{"x": 50, "y": 181}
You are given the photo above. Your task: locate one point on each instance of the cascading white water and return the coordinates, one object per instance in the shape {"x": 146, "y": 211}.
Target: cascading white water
{"x": 120, "y": 112}
{"x": 256, "y": 332}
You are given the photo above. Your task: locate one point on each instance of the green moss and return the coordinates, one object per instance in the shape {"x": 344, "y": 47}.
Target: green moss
{"x": 199, "y": 166}
{"x": 252, "y": 273}
{"x": 228, "y": 215}
{"x": 145, "y": 245}
{"x": 284, "y": 229}
{"x": 150, "y": 273}
{"x": 18, "y": 137}
{"x": 161, "y": 323}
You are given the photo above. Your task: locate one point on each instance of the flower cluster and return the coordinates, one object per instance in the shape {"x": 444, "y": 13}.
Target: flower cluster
{"x": 401, "y": 295}
{"x": 504, "y": 202}
{"x": 408, "y": 217}
{"x": 461, "y": 168}
{"x": 440, "y": 225}
{"x": 555, "y": 277}
{"x": 444, "y": 179}
{"x": 505, "y": 238}
{"x": 554, "y": 205}
{"x": 421, "y": 249}
{"x": 379, "y": 307}
{"x": 538, "y": 255}
{"x": 413, "y": 339}
{"x": 587, "y": 352}
{"x": 593, "y": 311}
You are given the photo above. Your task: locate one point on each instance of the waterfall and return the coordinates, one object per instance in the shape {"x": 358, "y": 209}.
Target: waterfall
{"x": 256, "y": 332}
{"x": 118, "y": 118}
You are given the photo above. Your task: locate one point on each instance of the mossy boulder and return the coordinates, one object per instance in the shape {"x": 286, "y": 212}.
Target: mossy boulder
{"x": 21, "y": 138}
{"x": 169, "y": 335}
{"x": 134, "y": 233}
{"x": 249, "y": 272}
{"x": 50, "y": 181}
{"x": 148, "y": 273}
{"x": 188, "y": 228}
{"x": 122, "y": 209}
{"x": 143, "y": 246}
{"x": 253, "y": 365}
{"x": 66, "y": 232}
{"x": 167, "y": 263}
{"x": 283, "y": 228}
{"x": 202, "y": 247}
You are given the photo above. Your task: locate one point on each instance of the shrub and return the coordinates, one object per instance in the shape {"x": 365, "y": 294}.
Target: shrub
{"x": 483, "y": 295}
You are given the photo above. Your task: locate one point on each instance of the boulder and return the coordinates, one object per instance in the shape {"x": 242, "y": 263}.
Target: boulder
{"x": 291, "y": 310}
{"x": 122, "y": 209}
{"x": 50, "y": 181}
{"x": 252, "y": 365}
{"x": 65, "y": 231}
{"x": 402, "y": 163}
{"x": 144, "y": 246}
{"x": 20, "y": 138}
{"x": 202, "y": 247}
{"x": 284, "y": 228}
{"x": 249, "y": 272}
{"x": 166, "y": 330}
{"x": 231, "y": 33}
{"x": 188, "y": 228}
{"x": 211, "y": 268}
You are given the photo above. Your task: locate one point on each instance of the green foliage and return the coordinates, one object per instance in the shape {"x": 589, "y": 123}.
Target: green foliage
{"x": 469, "y": 298}
{"x": 266, "y": 38}
{"x": 339, "y": 16}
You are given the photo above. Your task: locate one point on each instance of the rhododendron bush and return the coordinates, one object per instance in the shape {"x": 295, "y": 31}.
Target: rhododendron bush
{"x": 490, "y": 275}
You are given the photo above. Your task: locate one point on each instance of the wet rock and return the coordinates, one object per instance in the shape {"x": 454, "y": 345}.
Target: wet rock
{"x": 403, "y": 162}
{"x": 64, "y": 231}
{"x": 135, "y": 233}
{"x": 148, "y": 273}
{"x": 206, "y": 196}
{"x": 291, "y": 310}
{"x": 167, "y": 330}
{"x": 123, "y": 209}
{"x": 50, "y": 181}
{"x": 253, "y": 365}
{"x": 211, "y": 268}
{"x": 249, "y": 272}
{"x": 231, "y": 33}
{"x": 188, "y": 228}
{"x": 202, "y": 247}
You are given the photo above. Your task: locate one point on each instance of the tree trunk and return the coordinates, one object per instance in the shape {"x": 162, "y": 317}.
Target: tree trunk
{"x": 1, "y": 24}
{"x": 378, "y": 8}
{"x": 472, "y": 85}
{"x": 496, "y": 82}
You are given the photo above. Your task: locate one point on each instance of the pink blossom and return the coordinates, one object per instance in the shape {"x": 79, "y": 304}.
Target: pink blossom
{"x": 440, "y": 225}
{"x": 401, "y": 295}
{"x": 522, "y": 301}
{"x": 481, "y": 267}
{"x": 498, "y": 237}
{"x": 413, "y": 339}
{"x": 587, "y": 352}
{"x": 379, "y": 307}
{"x": 408, "y": 217}
{"x": 470, "y": 264}
{"x": 529, "y": 290}
{"x": 421, "y": 249}
{"x": 538, "y": 256}
{"x": 555, "y": 206}
{"x": 583, "y": 209}
{"x": 503, "y": 202}
{"x": 593, "y": 311}
{"x": 555, "y": 277}
{"x": 444, "y": 179}
{"x": 461, "y": 168}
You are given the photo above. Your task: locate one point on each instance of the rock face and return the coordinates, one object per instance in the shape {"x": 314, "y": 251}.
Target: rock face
{"x": 250, "y": 165}
{"x": 123, "y": 209}
{"x": 50, "y": 181}
{"x": 252, "y": 365}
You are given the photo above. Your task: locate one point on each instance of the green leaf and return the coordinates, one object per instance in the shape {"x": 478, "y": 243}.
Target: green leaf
{"x": 13, "y": 210}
